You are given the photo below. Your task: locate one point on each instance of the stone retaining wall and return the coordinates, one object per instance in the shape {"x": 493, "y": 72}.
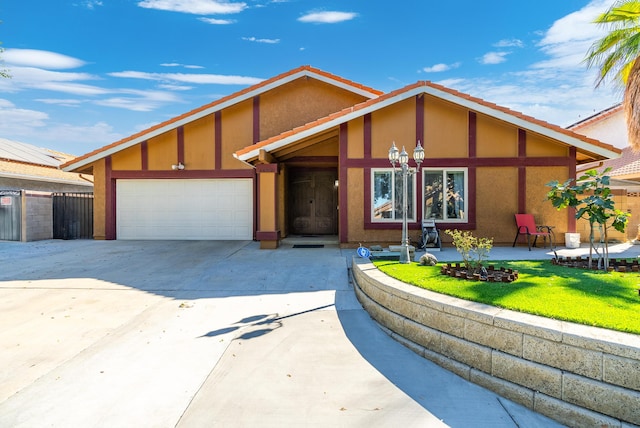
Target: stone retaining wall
{"x": 578, "y": 375}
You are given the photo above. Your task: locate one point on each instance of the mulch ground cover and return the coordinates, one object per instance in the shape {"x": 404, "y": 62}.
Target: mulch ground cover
{"x": 489, "y": 274}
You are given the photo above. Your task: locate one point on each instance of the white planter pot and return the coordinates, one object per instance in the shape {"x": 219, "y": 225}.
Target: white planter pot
{"x": 572, "y": 240}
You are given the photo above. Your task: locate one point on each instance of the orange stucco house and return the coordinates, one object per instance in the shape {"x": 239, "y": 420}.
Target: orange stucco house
{"x": 306, "y": 153}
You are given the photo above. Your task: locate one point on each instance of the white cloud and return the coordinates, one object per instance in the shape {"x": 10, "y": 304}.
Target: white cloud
{"x": 176, "y": 64}
{"x": 89, "y": 4}
{"x": 214, "y": 21}
{"x": 40, "y": 59}
{"x": 509, "y": 43}
{"x": 68, "y": 102}
{"x": 329, "y": 17}
{"x": 170, "y": 87}
{"x": 216, "y": 79}
{"x": 438, "y": 68}
{"x": 569, "y": 38}
{"x": 71, "y": 88}
{"x": 196, "y": 7}
{"x": 267, "y": 41}
{"x": 19, "y": 121}
{"x": 494, "y": 57}
{"x": 558, "y": 89}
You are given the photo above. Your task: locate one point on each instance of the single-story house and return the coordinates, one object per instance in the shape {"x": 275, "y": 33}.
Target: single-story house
{"x": 306, "y": 153}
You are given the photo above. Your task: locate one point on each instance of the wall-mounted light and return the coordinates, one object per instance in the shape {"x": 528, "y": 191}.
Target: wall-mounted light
{"x": 178, "y": 166}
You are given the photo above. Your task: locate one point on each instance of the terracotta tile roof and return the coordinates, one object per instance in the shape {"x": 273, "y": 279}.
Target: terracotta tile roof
{"x": 14, "y": 169}
{"x": 224, "y": 101}
{"x": 426, "y": 87}
{"x": 626, "y": 166}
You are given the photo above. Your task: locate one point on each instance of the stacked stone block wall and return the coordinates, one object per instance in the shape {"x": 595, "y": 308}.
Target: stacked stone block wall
{"x": 578, "y": 375}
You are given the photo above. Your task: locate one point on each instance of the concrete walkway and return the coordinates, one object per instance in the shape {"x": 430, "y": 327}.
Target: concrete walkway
{"x": 194, "y": 334}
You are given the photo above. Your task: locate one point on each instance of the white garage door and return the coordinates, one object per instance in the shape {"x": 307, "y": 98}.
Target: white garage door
{"x": 184, "y": 209}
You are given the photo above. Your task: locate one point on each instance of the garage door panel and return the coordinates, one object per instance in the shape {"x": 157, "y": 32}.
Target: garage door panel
{"x": 184, "y": 209}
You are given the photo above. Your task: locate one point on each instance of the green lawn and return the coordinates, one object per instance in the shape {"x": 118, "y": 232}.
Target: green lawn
{"x": 608, "y": 300}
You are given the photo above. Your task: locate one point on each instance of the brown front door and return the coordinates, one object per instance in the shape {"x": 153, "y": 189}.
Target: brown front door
{"x": 313, "y": 202}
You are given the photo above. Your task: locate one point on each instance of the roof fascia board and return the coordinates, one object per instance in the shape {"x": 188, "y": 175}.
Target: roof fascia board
{"x": 426, "y": 89}
{"x": 339, "y": 84}
{"x": 326, "y": 125}
{"x": 44, "y": 179}
{"x": 522, "y": 123}
{"x": 217, "y": 107}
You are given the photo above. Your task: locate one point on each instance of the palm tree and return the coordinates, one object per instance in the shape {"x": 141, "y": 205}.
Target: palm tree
{"x": 617, "y": 56}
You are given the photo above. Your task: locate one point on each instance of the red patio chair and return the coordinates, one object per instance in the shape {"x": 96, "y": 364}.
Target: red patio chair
{"x": 527, "y": 226}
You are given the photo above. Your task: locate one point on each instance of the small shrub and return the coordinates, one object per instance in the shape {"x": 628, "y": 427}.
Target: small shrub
{"x": 474, "y": 251}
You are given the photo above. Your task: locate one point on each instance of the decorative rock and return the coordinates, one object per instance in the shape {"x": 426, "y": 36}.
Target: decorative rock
{"x": 428, "y": 259}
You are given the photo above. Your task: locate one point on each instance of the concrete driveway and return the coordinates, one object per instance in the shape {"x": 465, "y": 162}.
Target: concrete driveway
{"x": 199, "y": 334}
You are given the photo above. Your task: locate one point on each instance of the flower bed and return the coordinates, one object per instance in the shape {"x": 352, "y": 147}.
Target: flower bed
{"x": 490, "y": 274}
{"x": 618, "y": 265}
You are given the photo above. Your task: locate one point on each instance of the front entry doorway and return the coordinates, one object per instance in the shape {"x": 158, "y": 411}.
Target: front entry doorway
{"x": 313, "y": 201}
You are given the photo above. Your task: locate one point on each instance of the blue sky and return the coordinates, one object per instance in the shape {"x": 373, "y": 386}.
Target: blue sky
{"x": 86, "y": 73}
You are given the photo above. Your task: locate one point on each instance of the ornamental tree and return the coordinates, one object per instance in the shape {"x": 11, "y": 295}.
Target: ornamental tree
{"x": 592, "y": 199}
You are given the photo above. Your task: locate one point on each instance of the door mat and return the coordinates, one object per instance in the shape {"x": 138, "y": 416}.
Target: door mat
{"x": 308, "y": 246}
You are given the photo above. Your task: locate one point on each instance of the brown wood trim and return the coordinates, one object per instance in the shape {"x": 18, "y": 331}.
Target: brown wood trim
{"x": 314, "y": 159}
{"x": 472, "y": 195}
{"x": 416, "y": 225}
{"x": 420, "y": 119}
{"x": 180, "y": 131}
{"x": 256, "y": 119}
{"x": 522, "y": 143}
{"x": 268, "y": 236}
{"x": 267, "y": 167}
{"x": 144, "y": 155}
{"x": 571, "y": 212}
{"x": 522, "y": 171}
{"x": 110, "y": 201}
{"x": 218, "y": 139}
{"x": 473, "y": 134}
{"x": 230, "y": 173}
{"x": 343, "y": 201}
{"x": 367, "y": 136}
{"x": 463, "y": 162}
{"x": 522, "y": 189}
{"x": 367, "y": 205}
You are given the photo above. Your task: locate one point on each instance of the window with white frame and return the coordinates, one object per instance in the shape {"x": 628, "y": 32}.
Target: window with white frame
{"x": 386, "y": 195}
{"x": 445, "y": 194}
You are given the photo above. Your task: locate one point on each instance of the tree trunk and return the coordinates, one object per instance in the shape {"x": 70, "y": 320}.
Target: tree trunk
{"x": 632, "y": 105}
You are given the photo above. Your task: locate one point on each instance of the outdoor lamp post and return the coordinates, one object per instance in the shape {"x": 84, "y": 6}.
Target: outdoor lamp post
{"x": 402, "y": 159}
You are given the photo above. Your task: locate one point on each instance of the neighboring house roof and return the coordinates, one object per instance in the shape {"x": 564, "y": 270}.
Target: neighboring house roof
{"x": 224, "y": 102}
{"x": 27, "y": 162}
{"x": 27, "y": 153}
{"x": 601, "y": 115}
{"x": 589, "y": 148}
{"x": 626, "y": 167}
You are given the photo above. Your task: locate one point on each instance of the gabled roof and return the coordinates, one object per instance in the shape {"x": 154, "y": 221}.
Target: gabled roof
{"x": 247, "y": 93}
{"x": 591, "y": 148}
{"x": 601, "y": 115}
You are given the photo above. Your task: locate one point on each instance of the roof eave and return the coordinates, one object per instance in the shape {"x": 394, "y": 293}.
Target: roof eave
{"x": 304, "y": 72}
{"x": 581, "y": 145}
